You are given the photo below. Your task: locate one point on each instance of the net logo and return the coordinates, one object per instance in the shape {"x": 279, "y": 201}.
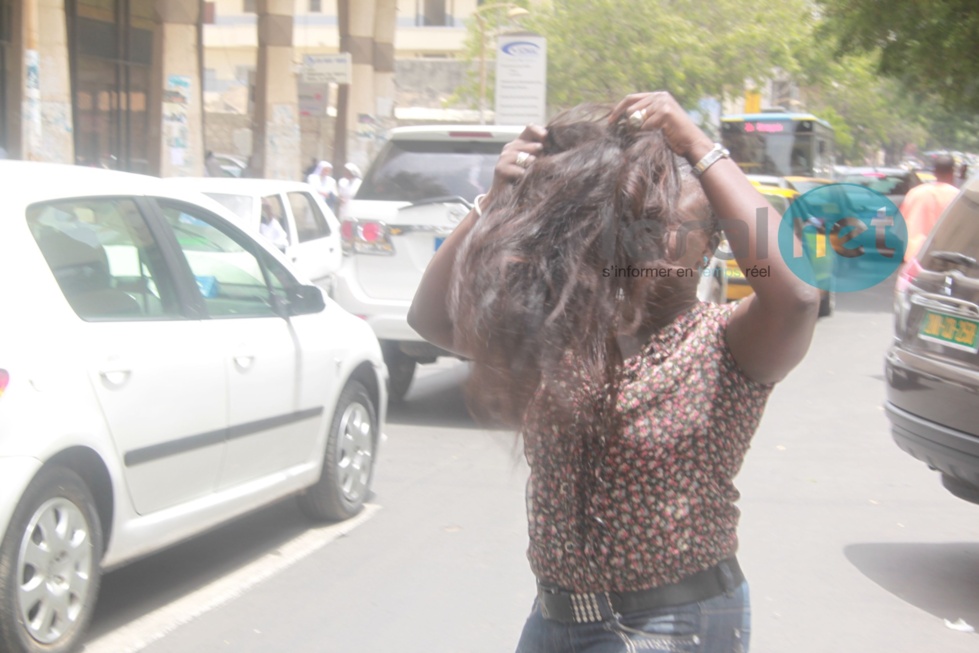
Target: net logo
{"x": 842, "y": 237}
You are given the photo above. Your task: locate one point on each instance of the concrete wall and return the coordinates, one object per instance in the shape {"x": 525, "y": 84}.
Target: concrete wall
{"x": 228, "y": 133}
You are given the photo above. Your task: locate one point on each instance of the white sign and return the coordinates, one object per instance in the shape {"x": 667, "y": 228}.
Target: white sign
{"x": 326, "y": 68}
{"x": 521, "y": 79}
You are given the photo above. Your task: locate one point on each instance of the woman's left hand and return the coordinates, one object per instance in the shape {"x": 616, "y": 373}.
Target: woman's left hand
{"x": 516, "y": 157}
{"x": 660, "y": 110}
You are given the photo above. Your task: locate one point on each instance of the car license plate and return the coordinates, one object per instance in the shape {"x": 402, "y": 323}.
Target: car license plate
{"x": 956, "y": 332}
{"x": 438, "y": 242}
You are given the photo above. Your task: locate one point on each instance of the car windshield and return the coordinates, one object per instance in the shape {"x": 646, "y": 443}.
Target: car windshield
{"x": 411, "y": 171}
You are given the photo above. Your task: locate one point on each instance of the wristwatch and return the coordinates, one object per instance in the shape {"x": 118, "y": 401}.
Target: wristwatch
{"x": 716, "y": 153}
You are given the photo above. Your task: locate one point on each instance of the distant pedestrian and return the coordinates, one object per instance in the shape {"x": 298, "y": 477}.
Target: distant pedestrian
{"x": 322, "y": 180}
{"x": 348, "y": 185}
{"x": 924, "y": 203}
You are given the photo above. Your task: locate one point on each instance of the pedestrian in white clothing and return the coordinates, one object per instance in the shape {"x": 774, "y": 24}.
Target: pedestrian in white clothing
{"x": 348, "y": 185}
{"x": 322, "y": 180}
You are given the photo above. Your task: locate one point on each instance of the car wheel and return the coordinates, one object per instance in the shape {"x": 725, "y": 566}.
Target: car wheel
{"x": 401, "y": 370}
{"x": 827, "y": 302}
{"x": 49, "y": 565}
{"x": 348, "y": 464}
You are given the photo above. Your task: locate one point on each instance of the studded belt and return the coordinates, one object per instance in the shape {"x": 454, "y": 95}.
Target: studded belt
{"x": 562, "y": 605}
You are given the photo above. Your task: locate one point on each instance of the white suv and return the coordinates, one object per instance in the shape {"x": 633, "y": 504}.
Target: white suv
{"x": 161, "y": 372}
{"x": 418, "y": 189}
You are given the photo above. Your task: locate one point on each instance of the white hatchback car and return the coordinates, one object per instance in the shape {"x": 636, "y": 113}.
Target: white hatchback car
{"x": 312, "y": 230}
{"x": 164, "y": 372}
{"x": 419, "y": 187}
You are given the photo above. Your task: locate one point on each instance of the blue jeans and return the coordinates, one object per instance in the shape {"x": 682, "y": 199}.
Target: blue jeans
{"x": 721, "y": 624}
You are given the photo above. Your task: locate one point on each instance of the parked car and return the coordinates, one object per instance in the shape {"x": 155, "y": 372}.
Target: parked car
{"x": 163, "y": 372}
{"x": 932, "y": 368}
{"x": 312, "y": 230}
{"x": 420, "y": 186}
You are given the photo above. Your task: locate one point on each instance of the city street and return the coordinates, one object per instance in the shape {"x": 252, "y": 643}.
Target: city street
{"x": 849, "y": 544}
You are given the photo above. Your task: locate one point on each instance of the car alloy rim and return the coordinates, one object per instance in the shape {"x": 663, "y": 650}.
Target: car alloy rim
{"x": 54, "y": 569}
{"x": 356, "y": 450}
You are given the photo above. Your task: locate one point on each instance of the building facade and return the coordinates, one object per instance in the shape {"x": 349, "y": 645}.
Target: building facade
{"x": 130, "y": 84}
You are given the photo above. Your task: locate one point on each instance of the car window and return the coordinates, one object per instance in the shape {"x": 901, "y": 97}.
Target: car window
{"x": 957, "y": 231}
{"x": 105, "y": 259}
{"x": 310, "y": 221}
{"x": 242, "y": 206}
{"x": 411, "y": 171}
{"x": 235, "y": 278}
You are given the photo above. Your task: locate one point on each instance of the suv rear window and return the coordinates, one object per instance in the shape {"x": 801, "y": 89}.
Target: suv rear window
{"x": 957, "y": 232}
{"x": 412, "y": 171}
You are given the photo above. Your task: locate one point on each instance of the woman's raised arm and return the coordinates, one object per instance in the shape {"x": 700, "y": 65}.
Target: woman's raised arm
{"x": 770, "y": 330}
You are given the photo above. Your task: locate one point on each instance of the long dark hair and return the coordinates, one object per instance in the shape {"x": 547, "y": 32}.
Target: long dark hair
{"x": 536, "y": 297}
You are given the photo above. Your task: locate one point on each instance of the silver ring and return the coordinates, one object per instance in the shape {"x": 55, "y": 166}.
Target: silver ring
{"x": 637, "y": 118}
{"x": 523, "y": 159}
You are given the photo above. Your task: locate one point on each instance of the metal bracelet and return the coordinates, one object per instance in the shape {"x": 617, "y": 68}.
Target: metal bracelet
{"x": 716, "y": 153}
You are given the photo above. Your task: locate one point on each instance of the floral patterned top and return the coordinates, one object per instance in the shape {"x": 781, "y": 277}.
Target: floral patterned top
{"x": 663, "y": 506}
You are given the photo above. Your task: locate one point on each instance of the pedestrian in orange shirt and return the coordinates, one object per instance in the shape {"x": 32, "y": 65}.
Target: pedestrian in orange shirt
{"x": 924, "y": 204}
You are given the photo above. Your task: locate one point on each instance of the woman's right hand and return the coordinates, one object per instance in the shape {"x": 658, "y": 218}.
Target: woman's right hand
{"x": 516, "y": 157}
{"x": 660, "y": 110}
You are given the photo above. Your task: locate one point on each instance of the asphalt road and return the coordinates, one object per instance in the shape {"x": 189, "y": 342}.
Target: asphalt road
{"x": 849, "y": 544}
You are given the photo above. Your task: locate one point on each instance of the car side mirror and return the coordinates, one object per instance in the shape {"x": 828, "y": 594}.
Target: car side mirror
{"x": 306, "y": 300}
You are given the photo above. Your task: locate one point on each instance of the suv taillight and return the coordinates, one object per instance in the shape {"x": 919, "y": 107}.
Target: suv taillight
{"x": 4, "y": 380}
{"x": 902, "y": 298}
{"x": 366, "y": 237}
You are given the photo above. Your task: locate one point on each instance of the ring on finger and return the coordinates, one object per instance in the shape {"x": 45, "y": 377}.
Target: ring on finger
{"x": 523, "y": 159}
{"x": 637, "y": 118}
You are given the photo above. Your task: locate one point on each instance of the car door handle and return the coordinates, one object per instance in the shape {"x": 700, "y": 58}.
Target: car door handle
{"x": 244, "y": 361}
{"x": 115, "y": 375}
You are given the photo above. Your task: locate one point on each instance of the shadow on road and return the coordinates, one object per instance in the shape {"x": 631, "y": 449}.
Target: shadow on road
{"x": 940, "y": 578}
{"x": 878, "y": 299}
{"x": 180, "y": 570}
{"x": 435, "y": 398}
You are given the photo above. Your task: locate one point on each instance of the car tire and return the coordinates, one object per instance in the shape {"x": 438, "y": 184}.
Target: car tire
{"x": 49, "y": 565}
{"x": 827, "y": 302}
{"x": 348, "y": 462}
{"x": 401, "y": 371}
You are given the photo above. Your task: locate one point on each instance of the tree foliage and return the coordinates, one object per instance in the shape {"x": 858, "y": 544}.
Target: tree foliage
{"x": 600, "y": 50}
{"x": 931, "y": 46}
